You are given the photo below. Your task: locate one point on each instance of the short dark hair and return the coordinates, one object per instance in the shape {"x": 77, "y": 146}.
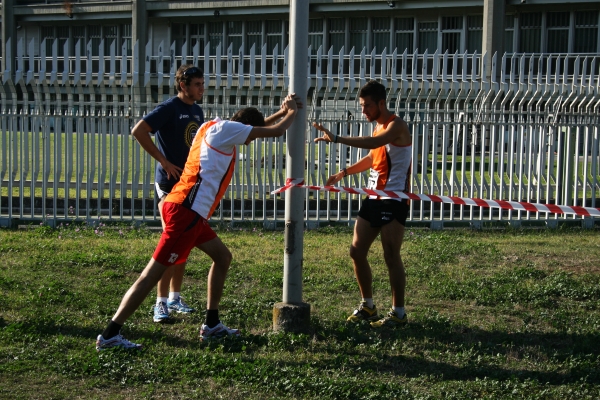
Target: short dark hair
{"x": 186, "y": 73}
{"x": 249, "y": 116}
{"x": 374, "y": 90}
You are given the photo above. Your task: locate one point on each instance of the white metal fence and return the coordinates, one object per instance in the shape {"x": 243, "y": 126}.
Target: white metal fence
{"x": 529, "y": 135}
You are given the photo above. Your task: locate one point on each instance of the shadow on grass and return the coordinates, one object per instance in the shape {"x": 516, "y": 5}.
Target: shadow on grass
{"x": 477, "y": 351}
{"x": 414, "y": 367}
{"x": 437, "y": 348}
{"x": 447, "y": 333}
{"x": 48, "y": 329}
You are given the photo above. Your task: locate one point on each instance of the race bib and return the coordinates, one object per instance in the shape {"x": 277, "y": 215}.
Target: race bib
{"x": 373, "y": 178}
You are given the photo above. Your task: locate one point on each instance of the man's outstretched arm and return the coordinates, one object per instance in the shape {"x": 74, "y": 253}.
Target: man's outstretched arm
{"x": 289, "y": 108}
{"x": 396, "y": 132}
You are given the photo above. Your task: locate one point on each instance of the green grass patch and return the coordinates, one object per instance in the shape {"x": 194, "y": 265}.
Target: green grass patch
{"x": 492, "y": 314}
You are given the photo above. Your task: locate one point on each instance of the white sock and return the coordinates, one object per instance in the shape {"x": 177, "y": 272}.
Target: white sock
{"x": 161, "y": 300}
{"x": 369, "y": 302}
{"x": 173, "y": 295}
{"x": 399, "y": 311}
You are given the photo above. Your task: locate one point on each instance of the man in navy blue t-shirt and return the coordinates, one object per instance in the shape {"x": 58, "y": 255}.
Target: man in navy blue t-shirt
{"x": 174, "y": 123}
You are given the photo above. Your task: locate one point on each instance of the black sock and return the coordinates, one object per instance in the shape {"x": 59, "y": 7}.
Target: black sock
{"x": 212, "y": 318}
{"x": 111, "y": 330}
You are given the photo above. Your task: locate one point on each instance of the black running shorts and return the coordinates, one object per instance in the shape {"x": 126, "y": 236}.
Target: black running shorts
{"x": 380, "y": 212}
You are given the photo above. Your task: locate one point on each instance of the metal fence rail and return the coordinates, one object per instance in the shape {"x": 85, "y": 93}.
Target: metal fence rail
{"x": 530, "y": 135}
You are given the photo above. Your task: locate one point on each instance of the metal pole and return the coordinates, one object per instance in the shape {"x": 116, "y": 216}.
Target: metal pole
{"x": 294, "y": 199}
{"x": 292, "y": 314}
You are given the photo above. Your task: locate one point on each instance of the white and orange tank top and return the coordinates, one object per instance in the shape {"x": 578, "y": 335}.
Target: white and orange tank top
{"x": 391, "y": 165}
{"x": 209, "y": 166}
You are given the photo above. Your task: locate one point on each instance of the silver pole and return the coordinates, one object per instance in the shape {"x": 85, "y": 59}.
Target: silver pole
{"x": 292, "y": 315}
{"x": 294, "y": 199}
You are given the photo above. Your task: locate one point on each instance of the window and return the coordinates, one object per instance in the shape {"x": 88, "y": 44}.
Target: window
{"x": 381, "y": 34}
{"x": 126, "y": 40}
{"x": 234, "y": 35}
{"x": 254, "y": 36}
{"x": 405, "y": 33}
{"x": 286, "y": 30}
{"x": 531, "y": 31}
{"x": 95, "y": 35}
{"x": 215, "y": 36}
{"x": 509, "y": 33}
{"x": 315, "y": 33}
{"x": 474, "y": 33}
{"x": 337, "y": 34}
{"x": 48, "y": 34}
{"x": 62, "y": 34}
{"x": 586, "y": 32}
{"x": 451, "y": 31}
{"x": 126, "y": 34}
{"x": 110, "y": 36}
{"x": 79, "y": 39}
{"x": 274, "y": 36}
{"x": 197, "y": 37}
{"x": 428, "y": 36}
{"x": 558, "y": 32}
{"x": 178, "y": 36}
{"x": 358, "y": 33}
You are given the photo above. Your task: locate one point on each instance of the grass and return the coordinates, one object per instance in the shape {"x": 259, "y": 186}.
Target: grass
{"x": 493, "y": 314}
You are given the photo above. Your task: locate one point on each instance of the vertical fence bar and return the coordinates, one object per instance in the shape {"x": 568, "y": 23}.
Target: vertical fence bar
{"x": 534, "y": 139}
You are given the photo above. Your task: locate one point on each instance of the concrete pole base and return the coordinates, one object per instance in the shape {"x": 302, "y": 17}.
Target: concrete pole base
{"x": 291, "y": 317}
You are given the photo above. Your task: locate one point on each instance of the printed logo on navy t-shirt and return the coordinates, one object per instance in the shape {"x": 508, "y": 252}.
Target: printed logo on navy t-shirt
{"x": 190, "y": 133}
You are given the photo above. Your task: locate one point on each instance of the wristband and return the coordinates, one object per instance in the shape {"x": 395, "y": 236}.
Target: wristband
{"x": 345, "y": 172}
{"x": 335, "y": 138}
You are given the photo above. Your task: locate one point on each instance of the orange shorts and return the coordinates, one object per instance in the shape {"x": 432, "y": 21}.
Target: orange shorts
{"x": 184, "y": 230}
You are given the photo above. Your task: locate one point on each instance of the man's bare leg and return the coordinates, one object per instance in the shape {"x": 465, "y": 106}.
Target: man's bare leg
{"x": 363, "y": 238}
{"x": 172, "y": 279}
{"x": 392, "y": 235}
{"x": 162, "y": 289}
{"x": 221, "y": 257}
{"x": 139, "y": 291}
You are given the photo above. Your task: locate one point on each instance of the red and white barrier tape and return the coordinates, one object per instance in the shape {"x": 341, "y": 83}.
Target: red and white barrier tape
{"x": 462, "y": 201}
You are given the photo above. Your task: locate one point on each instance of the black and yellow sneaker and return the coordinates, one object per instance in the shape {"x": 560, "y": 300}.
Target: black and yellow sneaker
{"x": 390, "y": 320}
{"x": 364, "y": 313}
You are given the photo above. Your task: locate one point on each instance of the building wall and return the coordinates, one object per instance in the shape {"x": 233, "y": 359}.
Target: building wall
{"x": 531, "y": 27}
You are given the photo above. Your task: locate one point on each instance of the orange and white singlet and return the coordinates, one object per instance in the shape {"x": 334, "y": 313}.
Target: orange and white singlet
{"x": 209, "y": 166}
{"x": 391, "y": 165}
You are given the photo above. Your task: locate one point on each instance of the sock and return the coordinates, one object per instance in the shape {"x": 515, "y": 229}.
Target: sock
{"x": 212, "y": 318}
{"x": 161, "y": 300}
{"x": 173, "y": 296}
{"x": 369, "y": 302}
{"x": 112, "y": 330}
{"x": 399, "y": 311}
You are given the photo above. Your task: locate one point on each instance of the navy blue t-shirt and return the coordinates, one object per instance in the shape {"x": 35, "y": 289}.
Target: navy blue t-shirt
{"x": 175, "y": 124}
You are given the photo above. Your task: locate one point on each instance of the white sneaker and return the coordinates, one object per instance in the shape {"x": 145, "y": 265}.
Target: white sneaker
{"x": 179, "y": 306}
{"x": 161, "y": 312}
{"x": 218, "y": 331}
{"x": 116, "y": 341}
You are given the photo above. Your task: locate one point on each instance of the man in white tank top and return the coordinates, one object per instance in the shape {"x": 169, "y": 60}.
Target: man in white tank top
{"x": 389, "y": 162}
